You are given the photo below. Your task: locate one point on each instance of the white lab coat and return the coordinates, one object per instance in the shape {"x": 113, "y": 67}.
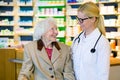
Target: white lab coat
{"x": 87, "y": 65}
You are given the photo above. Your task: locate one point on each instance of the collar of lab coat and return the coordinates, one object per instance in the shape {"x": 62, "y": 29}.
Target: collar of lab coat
{"x": 92, "y": 35}
{"x": 40, "y": 45}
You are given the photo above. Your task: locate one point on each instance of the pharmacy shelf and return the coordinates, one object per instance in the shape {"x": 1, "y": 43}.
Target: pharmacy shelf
{"x": 25, "y": 5}
{"x": 103, "y": 2}
{"x": 116, "y": 26}
{"x": 117, "y": 14}
{"x": 112, "y": 23}
{"x": 12, "y": 14}
{"x": 65, "y": 16}
{"x": 56, "y": 9}
{"x": 6, "y": 4}
{"x": 3, "y": 24}
{"x": 47, "y": 15}
{"x": 25, "y": 34}
{"x": 6, "y": 14}
{"x": 27, "y": 14}
{"x": 6, "y": 34}
{"x": 48, "y": 5}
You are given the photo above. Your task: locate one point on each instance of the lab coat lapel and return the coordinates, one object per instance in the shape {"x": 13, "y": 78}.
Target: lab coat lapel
{"x": 55, "y": 54}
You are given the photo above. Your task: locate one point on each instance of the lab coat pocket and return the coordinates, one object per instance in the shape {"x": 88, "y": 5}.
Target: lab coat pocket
{"x": 90, "y": 58}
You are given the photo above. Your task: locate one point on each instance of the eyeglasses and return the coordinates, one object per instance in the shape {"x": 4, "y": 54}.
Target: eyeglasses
{"x": 82, "y": 20}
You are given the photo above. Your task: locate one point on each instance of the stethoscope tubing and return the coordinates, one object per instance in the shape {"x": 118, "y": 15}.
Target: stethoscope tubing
{"x": 92, "y": 49}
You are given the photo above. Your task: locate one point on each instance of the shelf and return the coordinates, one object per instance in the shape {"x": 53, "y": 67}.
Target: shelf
{"x": 100, "y": 2}
{"x": 22, "y": 11}
{"x": 103, "y": 2}
{"x": 24, "y": 24}
{"x": 61, "y": 25}
{"x": 27, "y": 14}
{"x": 77, "y": 3}
{"x": 118, "y": 38}
{"x": 101, "y": 14}
{"x": 115, "y": 50}
{"x": 70, "y": 4}
{"x": 47, "y": 15}
{"x": 6, "y": 24}
{"x": 6, "y": 34}
{"x": 110, "y": 14}
{"x": 4, "y": 14}
{"x": 56, "y": 9}
{"x": 51, "y": 5}
{"x": 6, "y": 4}
{"x": 25, "y": 4}
{"x": 113, "y": 26}
{"x": 24, "y": 34}
{"x": 72, "y": 14}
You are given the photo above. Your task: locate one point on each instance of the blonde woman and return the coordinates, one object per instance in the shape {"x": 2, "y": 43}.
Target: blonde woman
{"x": 90, "y": 49}
{"x": 46, "y": 58}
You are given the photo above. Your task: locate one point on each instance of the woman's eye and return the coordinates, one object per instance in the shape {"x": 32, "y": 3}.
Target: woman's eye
{"x": 52, "y": 28}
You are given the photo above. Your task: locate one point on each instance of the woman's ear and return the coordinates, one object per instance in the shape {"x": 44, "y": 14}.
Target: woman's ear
{"x": 93, "y": 19}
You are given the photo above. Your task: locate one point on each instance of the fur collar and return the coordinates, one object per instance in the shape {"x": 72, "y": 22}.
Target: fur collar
{"x": 40, "y": 45}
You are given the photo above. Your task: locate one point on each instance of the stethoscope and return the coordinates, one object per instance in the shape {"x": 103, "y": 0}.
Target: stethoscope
{"x": 93, "y": 49}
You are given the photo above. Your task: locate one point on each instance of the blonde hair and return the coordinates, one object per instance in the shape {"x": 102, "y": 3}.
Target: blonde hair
{"x": 43, "y": 26}
{"x": 90, "y": 9}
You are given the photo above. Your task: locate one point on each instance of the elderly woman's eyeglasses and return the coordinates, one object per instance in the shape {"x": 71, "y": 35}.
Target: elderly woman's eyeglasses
{"x": 82, "y": 20}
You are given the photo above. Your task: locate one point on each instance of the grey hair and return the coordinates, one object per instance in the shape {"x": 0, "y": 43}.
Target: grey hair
{"x": 43, "y": 26}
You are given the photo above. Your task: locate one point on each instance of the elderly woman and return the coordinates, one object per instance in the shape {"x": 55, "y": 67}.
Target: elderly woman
{"x": 46, "y": 58}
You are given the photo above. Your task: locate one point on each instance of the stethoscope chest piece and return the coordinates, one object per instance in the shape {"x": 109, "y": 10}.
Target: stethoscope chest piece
{"x": 92, "y": 50}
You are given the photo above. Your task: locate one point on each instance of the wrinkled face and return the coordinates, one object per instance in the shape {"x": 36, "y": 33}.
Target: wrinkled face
{"x": 84, "y": 21}
{"x": 51, "y": 34}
